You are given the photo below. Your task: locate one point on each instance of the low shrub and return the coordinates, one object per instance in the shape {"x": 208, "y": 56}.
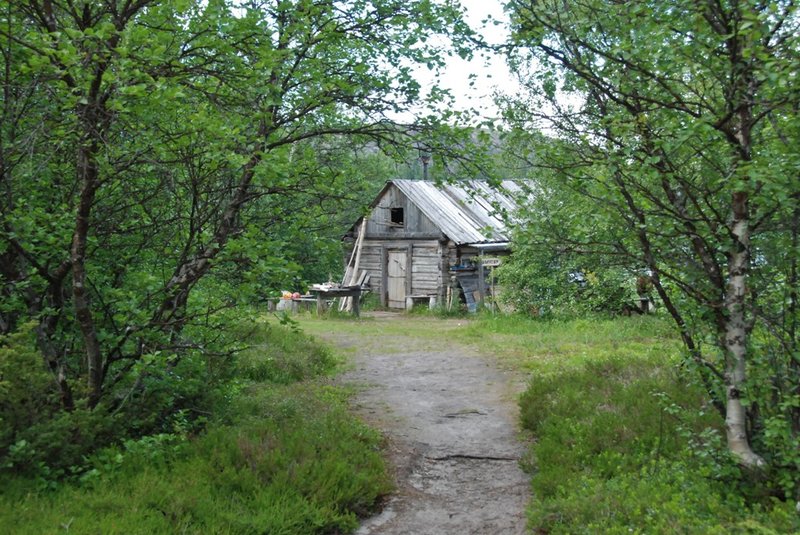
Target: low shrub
{"x": 604, "y": 416}
{"x": 28, "y": 396}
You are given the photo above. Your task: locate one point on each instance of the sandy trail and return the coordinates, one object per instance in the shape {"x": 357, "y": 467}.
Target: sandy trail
{"x": 450, "y": 421}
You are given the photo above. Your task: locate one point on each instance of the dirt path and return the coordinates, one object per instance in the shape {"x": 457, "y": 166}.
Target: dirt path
{"x": 450, "y": 421}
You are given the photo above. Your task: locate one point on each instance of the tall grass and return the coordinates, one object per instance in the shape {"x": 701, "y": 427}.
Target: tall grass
{"x": 623, "y": 440}
{"x": 283, "y": 457}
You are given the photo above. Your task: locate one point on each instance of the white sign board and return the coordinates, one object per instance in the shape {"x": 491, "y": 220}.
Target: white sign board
{"x": 491, "y": 262}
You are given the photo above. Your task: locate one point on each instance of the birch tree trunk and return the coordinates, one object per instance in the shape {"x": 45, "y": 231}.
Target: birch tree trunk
{"x": 87, "y": 172}
{"x": 736, "y": 334}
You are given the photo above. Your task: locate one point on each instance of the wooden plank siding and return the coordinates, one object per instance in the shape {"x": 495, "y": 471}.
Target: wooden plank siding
{"x": 416, "y": 225}
{"x": 425, "y": 271}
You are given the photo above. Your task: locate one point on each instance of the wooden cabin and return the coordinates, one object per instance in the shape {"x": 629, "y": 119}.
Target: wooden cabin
{"x": 423, "y": 242}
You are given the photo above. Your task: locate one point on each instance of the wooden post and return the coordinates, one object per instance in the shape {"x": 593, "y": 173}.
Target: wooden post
{"x": 320, "y": 304}
{"x": 384, "y": 276}
{"x": 443, "y": 279}
{"x": 481, "y": 281}
{"x": 491, "y": 279}
{"x": 449, "y": 295}
{"x": 410, "y": 269}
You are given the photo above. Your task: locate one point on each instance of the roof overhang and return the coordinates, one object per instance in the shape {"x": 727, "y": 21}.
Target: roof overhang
{"x": 497, "y": 246}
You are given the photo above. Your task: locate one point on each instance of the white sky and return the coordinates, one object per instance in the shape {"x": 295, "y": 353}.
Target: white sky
{"x": 491, "y": 73}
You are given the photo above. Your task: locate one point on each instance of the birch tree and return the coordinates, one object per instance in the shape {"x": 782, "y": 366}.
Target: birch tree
{"x": 677, "y": 122}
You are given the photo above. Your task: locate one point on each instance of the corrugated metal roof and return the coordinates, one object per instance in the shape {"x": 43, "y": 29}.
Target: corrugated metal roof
{"x": 466, "y": 212}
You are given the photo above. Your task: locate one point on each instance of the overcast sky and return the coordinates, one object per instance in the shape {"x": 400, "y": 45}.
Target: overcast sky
{"x": 490, "y": 73}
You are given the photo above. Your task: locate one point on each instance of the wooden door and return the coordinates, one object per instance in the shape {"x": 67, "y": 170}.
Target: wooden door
{"x": 396, "y": 280}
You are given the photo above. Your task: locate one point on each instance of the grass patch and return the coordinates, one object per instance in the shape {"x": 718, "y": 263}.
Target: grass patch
{"x": 624, "y": 441}
{"x": 551, "y": 346}
{"x": 284, "y": 457}
{"x": 423, "y": 326}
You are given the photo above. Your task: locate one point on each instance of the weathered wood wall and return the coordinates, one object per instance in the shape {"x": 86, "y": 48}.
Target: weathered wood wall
{"x": 371, "y": 263}
{"x": 425, "y": 265}
{"x": 426, "y": 275}
{"x": 416, "y": 225}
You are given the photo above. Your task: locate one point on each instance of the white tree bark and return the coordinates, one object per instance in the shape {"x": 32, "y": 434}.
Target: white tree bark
{"x": 736, "y": 335}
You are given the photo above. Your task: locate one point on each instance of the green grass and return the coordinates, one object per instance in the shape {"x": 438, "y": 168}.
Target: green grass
{"x": 395, "y": 324}
{"x": 284, "y": 457}
{"x": 548, "y": 346}
{"x": 623, "y": 440}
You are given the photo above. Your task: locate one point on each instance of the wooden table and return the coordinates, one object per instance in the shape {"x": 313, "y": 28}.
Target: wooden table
{"x": 332, "y": 293}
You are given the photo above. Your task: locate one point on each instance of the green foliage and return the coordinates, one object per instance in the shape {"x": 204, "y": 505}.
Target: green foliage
{"x": 543, "y": 283}
{"x": 57, "y": 448}
{"x": 660, "y": 497}
{"x": 36, "y": 438}
{"x": 370, "y": 301}
{"x": 27, "y": 393}
{"x": 165, "y": 395}
{"x": 294, "y": 462}
{"x": 39, "y": 440}
{"x": 604, "y": 416}
{"x": 551, "y": 271}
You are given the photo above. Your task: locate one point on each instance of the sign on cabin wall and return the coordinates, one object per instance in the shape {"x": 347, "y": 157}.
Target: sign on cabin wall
{"x": 491, "y": 261}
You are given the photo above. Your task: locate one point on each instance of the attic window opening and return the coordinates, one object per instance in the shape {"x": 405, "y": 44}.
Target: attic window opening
{"x": 396, "y": 215}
